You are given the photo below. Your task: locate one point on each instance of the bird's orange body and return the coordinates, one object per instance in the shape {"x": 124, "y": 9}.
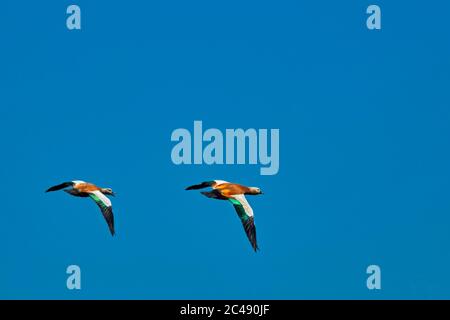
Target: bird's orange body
{"x": 86, "y": 187}
{"x": 231, "y": 189}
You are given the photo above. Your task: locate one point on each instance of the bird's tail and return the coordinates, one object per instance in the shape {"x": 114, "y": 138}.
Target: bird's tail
{"x": 202, "y": 185}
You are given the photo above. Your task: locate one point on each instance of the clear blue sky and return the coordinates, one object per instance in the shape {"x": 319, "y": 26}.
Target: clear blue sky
{"x": 365, "y": 159}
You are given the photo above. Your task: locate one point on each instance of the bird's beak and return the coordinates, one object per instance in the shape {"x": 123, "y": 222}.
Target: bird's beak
{"x": 113, "y": 194}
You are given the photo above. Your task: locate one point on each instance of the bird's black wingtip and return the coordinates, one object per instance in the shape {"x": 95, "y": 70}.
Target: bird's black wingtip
{"x": 195, "y": 187}
{"x": 60, "y": 186}
{"x": 201, "y": 185}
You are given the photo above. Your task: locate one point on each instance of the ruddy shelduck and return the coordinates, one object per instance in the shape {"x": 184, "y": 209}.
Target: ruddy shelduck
{"x": 83, "y": 189}
{"x": 235, "y": 193}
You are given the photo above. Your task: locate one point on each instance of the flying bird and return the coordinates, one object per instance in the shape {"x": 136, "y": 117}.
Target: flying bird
{"x": 83, "y": 189}
{"x": 235, "y": 193}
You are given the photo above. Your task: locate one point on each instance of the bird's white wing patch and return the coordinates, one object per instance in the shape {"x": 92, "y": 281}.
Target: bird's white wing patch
{"x": 241, "y": 198}
{"x": 103, "y": 198}
{"x": 219, "y": 182}
{"x": 78, "y": 182}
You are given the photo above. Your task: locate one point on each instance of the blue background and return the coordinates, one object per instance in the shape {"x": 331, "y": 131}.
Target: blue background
{"x": 364, "y": 124}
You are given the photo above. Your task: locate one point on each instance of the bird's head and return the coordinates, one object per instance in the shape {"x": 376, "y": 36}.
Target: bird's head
{"x": 108, "y": 191}
{"x": 254, "y": 191}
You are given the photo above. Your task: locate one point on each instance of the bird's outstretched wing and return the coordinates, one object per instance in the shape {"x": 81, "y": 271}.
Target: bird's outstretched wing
{"x": 245, "y": 213}
{"x": 206, "y": 184}
{"x": 202, "y": 185}
{"x": 106, "y": 207}
{"x": 60, "y": 186}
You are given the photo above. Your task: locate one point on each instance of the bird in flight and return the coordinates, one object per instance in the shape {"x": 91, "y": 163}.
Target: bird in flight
{"x": 83, "y": 189}
{"x": 235, "y": 193}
